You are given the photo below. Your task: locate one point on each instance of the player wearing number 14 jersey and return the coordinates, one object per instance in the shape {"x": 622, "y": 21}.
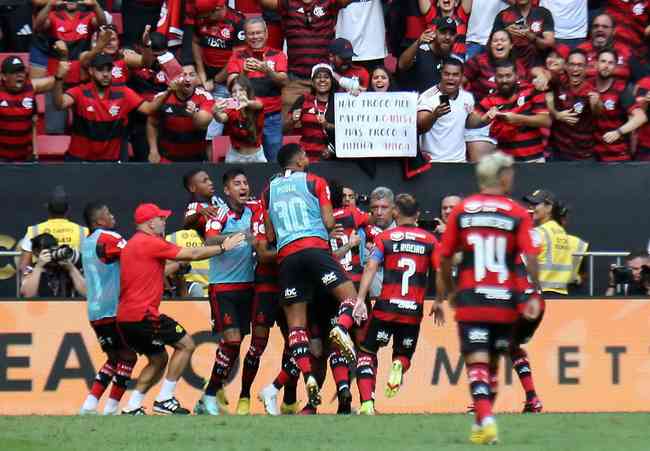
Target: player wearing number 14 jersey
{"x": 491, "y": 230}
{"x": 407, "y": 254}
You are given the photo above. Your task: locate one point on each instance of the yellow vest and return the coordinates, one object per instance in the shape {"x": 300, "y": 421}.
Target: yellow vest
{"x": 556, "y": 266}
{"x": 189, "y": 238}
{"x": 65, "y": 231}
{"x": 578, "y": 246}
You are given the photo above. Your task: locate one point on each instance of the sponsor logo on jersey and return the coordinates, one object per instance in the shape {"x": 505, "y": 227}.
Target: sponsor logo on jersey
{"x": 290, "y": 293}
{"x": 478, "y": 335}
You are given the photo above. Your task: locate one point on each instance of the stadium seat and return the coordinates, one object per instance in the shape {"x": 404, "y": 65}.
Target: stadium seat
{"x": 289, "y": 139}
{"x": 52, "y": 147}
{"x": 220, "y": 147}
{"x": 40, "y": 103}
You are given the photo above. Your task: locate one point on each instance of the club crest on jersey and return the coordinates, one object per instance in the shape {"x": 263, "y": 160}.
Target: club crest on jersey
{"x": 397, "y": 236}
{"x": 578, "y": 107}
{"x": 225, "y": 33}
{"x": 28, "y": 103}
{"x": 609, "y": 104}
{"x": 638, "y": 9}
{"x": 114, "y": 110}
{"x": 161, "y": 77}
{"x": 82, "y": 28}
{"x": 521, "y": 100}
{"x": 536, "y": 27}
{"x": 319, "y": 11}
{"x": 621, "y": 61}
{"x": 116, "y": 72}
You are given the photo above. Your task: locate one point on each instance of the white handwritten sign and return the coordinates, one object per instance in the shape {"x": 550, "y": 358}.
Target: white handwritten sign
{"x": 376, "y": 124}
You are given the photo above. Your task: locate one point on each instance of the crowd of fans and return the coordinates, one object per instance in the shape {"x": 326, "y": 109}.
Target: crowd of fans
{"x": 541, "y": 80}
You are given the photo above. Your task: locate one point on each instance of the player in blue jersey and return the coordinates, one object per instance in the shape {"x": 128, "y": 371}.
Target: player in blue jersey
{"x": 100, "y": 258}
{"x": 231, "y": 278}
{"x": 298, "y": 219}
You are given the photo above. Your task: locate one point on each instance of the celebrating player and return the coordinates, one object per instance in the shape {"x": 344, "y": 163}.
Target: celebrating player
{"x": 491, "y": 230}
{"x": 299, "y": 217}
{"x": 100, "y": 254}
{"x": 407, "y": 254}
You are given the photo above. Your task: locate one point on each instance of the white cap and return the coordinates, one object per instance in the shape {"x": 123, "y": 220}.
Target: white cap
{"x": 321, "y": 66}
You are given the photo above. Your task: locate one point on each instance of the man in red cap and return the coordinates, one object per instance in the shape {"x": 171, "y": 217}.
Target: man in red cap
{"x": 142, "y": 326}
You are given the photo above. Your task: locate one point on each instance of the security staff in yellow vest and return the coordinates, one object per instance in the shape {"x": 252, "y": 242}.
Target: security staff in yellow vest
{"x": 557, "y": 265}
{"x": 197, "y": 278}
{"x": 65, "y": 231}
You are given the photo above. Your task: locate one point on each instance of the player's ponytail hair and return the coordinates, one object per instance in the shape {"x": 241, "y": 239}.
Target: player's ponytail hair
{"x": 490, "y": 168}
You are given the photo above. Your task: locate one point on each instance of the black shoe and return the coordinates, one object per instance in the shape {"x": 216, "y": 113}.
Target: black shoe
{"x": 170, "y": 406}
{"x": 135, "y": 412}
{"x": 345, "y": 401}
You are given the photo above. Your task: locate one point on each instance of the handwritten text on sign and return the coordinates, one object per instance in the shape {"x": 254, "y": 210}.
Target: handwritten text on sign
{"x": 376, "y": 124}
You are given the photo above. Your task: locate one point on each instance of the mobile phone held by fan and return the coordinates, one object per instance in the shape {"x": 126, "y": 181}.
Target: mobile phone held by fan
{"x": 444, "y": 99}
{"x": 232, "y": 103}
{"x": 170, "y": 66}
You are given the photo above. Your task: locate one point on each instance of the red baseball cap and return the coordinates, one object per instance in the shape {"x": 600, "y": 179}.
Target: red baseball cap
{"x": 145, "y": 212}
{"x": 562, "y": 51}
{"x": 207, "y": 6}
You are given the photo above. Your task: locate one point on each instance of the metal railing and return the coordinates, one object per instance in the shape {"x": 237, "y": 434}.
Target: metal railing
{"x": 591, "y": 255}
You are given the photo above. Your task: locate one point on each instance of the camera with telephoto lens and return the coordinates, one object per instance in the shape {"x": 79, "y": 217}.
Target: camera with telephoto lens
{"x": 62, "y": 253}
{"x": 622, "y": 275}
{"x": 428, "y": 221}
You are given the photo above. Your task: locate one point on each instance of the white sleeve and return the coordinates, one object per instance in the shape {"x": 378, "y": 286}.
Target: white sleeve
{"x": 26, "y": 244}
{"x": 428, "y": 101}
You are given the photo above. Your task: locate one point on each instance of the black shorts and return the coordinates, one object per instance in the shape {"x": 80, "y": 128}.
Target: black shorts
{"x": 107, "y": 335}
{"x": 309, "y": 269}
{"x": 150, "y": 336}
{"x": 493, "y": 338}
{"x": 266, "y": 308}
{"x": 231, "y": 309}
{"x": 523, "y": 330}
{"x": 379, "y": 332}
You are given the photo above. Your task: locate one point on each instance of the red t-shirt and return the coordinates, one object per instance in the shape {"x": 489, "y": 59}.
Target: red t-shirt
{"x": 238, "y": 130}
{"x": 100, "y": 122}
{"x": 142, "y": 273}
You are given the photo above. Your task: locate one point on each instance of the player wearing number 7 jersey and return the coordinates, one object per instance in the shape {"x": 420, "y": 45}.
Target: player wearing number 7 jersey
{"x": 491, "y": 230}
{"x": 407, "y": 254}
{"x": 299, "y": 215}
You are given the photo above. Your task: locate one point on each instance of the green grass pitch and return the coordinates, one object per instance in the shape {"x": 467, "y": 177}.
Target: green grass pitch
{"x": 552, "y": 432}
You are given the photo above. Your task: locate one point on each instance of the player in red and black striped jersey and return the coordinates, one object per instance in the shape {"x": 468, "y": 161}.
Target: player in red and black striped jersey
{"x": 491, "y": 230}
{"x": 532, "y": 29}
{"x": 407, "y": 254}
{"x": 602, "y": 37}
{"x": 459, "y": 11}
{"x": 515, "y": 114}
{"x": 573, "y": 106}
{"x": 631, "y": 18}
{"x": 177, "y": 131}
{"x": 18, "y": 109}
{"x": 613, "y": 124}
{"x": 204, "y": 204}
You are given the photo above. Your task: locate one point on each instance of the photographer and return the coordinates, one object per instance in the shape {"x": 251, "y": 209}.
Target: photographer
{"x": 55, "y": 274}
{"x": 631, "y": 279}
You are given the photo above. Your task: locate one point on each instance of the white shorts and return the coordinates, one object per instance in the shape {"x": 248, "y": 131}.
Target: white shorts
{"x": 235, "y": 157}
{"x": 479, "y": 134}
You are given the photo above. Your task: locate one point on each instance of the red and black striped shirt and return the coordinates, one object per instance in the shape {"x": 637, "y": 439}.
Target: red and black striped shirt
{"x": 218, "y": 38}
{"x": 631, "y": 18}
{"x": 480, "y": 74}
{"x": 614, "y": 115}
{"x": 643, "y": 133}
{"x": 491, "y": 231}
{"x": 17, "y": 110}
{"x": 522, "y": 142}
{"x": 148, "y": 82}
{"x": 74, "y": 30}
{"x": 266, "y": 274}
{"x": 265, "y": 89}
{"x": 407, "y": 253}
{"x": 178, "y": 137}
{"x": 308, "y": 29}
{"x": 352, "y": 220}
{"x": 100, "y": 122}
{"x": 241, "y": 134}
{"x": 461, "y": 17}
{"x": 573, "y": 142}
{"x": 539, "y": 20}
{"x": 313, "y": 138}
{"x": 622, "y": 69}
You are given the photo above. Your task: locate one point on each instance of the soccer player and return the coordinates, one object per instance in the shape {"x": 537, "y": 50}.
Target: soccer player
{"x": 100, "y": 254}
{"x": 299, "y": 215}
{"x": 231, "y": 290}
{"x": 204, "y": 204}
{"x": 143, "y": 327}
{"x": 407, "y": 254}
{"x": 491, "y": 230}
